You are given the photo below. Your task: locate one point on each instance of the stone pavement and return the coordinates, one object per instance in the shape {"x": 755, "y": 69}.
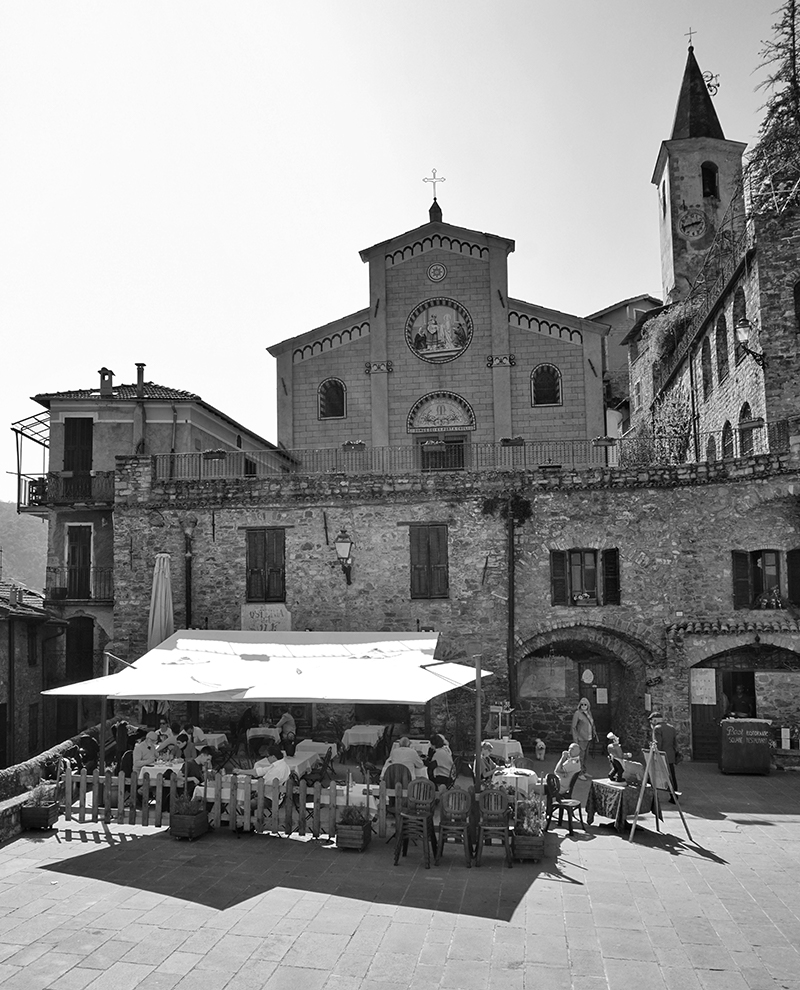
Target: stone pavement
{"x": 95, "y": 907}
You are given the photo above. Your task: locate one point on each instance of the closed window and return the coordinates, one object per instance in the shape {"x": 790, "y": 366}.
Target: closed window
{"x": 721, "y": 342}
{"x": 585, "y": 577}
{"x": 745, "y": 431}
{"x": 711, "y": 449}
{"x": 546, "y": 386}
{"x": 266, "y": 565}
{"x": 727, "y": 440}
{"x": 429, "y": 567}
{"x": 757, "y": 577}
{"x": 332, "y": 399}
{"x": 739, "y": 314}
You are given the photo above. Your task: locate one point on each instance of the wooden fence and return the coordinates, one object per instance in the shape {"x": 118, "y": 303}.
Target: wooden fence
{"x": 259, "y": 806}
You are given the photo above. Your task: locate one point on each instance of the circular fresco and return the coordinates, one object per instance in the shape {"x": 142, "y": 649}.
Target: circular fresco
{"x": 439, "y": 330}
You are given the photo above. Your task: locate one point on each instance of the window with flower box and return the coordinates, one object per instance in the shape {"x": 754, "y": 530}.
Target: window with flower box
{"x": 757, "y": 578}
{"x": 584, "y": 577}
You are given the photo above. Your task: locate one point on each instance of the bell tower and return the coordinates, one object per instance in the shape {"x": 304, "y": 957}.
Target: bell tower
{"x": 696, "y": 174}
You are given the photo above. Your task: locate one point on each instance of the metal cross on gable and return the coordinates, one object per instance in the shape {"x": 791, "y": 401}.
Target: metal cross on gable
{"x": 689, "y": 34}
{"x": 434, "y": 180}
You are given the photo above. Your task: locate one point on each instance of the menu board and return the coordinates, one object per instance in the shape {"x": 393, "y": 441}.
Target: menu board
{"x": 704, "y": 686}
{"x": 745, "y": 745}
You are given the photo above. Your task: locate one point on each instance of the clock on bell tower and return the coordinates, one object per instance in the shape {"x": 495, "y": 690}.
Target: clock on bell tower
{"x": 696, "y": 174}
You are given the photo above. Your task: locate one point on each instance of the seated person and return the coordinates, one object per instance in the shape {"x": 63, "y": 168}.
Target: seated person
{"x": 89, "y": 753}
{"x": 271, "y": 769}
{"x": 406, "y": 755}
{"x": 194, "y": 770}
{"x": 440, "y": 762}
{"x": 286, "y": 725}
{"x": 615, "y": 758}
{"x": 194, "y": 732}
{"x": 568, "y": 765}
{"x": 144, "y": 752}
{"x": 489, "y": 762}
{"x": 186, "y": 749}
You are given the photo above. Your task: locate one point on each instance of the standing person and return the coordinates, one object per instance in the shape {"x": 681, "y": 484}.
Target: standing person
{"x": 664, "y": 735}
{"x": 583, "y": 732}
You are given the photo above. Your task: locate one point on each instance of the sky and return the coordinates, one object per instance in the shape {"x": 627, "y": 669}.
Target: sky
{"x": 186, "y": 183}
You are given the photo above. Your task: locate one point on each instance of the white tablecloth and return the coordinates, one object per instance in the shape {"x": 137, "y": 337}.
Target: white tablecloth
{"x": 505, "y": 748}
{"x": 155, "y": 771}
{"x": 300, "y": 763}
{"x": 309, "y": 746}
{"x": 524, "y": 781}
{"x": 362, "y": 735}
{"x": 420, "y": 745}
{"x": 263, "y": 732}
{"x": 215, "y": 739}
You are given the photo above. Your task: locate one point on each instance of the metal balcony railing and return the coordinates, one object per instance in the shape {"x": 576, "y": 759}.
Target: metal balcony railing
{"x": 79, "y": 584}
{"x": 61, "y": 489}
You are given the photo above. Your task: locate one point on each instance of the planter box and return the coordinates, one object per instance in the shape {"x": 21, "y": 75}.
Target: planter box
{"x": 528, "y": 847}
{"x": 353, "y": 836}
{"x": 38, "y": 816}
{"x": 188, "y": 826}
{"x": 512, "y": 442}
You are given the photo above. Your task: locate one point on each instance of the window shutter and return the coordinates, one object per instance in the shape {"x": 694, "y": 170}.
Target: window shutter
{"x": 742, "y": 594}
{"x": 559, "y": 593}
{"x": 611, "y": 589}
{"x": 256, "y": 565}
{"x": 437, "y": 550}
{"x": 276, "y": 565}
{"x": 793, "y": 576}
{"x": 420, "y": 585}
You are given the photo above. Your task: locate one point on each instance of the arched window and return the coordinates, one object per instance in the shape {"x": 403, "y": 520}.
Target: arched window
{"x": 332, "y": 404}
{"x": 739, "y": 313}
{"x": 710, "y": 175}
{"x": 711, "y": 449}
{"x": 239, "y": 440}
{"x": 721, "y": 342}
{"x": 727, "y": 440}
{"x": 745, "y": 432}
{"x": 546, "y": 386}
{"x": 705, "y": 363}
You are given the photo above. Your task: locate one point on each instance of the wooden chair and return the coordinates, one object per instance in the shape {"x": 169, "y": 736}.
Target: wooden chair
{"x": 395, "y": 774}
{"x": 561, "y": 802}
{"x": 494, "y": 821}
{"x": 454, "y": 823}
{"x": 416, "y": 820}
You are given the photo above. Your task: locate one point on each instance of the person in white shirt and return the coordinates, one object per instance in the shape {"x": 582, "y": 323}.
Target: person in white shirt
{"x": 404, "y": 754}
{"x": 144, "y": 752}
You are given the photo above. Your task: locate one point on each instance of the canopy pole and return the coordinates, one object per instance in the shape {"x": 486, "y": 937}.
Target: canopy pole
{"x": 103, "y": 717}
{"x": 477, "y": 659}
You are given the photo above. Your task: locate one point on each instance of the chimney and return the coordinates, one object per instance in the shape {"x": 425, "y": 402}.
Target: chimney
{"x": 140, "y": 379}
{"x": 106, "y": 382}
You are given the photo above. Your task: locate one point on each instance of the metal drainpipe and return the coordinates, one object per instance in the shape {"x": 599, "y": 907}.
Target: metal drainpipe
{"x": 512, "y": 671}
{"x": 12, "y": 701}
{"x": 692, "y": 388}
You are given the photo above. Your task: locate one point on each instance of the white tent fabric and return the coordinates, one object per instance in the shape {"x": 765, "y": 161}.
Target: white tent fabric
{"x": 162, "y": 623}
{"x": 224, "y": 665}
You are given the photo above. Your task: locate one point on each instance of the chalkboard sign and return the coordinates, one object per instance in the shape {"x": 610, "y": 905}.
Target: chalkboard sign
{"x": 745, "y": 745}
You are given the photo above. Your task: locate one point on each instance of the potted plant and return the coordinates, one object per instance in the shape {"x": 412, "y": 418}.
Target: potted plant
{"x": 188, "y": 818}
{"x": 353, "y": 830}
{"x": 528, "y": 836}
{"x": 512, "y": 441}
{"x": 40, "y": 810}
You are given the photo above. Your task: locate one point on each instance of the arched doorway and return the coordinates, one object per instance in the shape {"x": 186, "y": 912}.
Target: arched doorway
{"x": 765, "y": 680}
{"x": 560, "y": 666}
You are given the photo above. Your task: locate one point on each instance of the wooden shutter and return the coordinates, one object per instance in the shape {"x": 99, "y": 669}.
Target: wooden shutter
{"x": 793, "y": 576}
{"x": 78, "y": 441}
{"x": 420, "y": 575}
{"x": 559, "y": 591}
{"x": 611, "y": 588}
{"x": 256, "y": 565}
{"x": 276, "y": 565}
{"x": 740, "y": 568}
{"x": 437, "y": 555}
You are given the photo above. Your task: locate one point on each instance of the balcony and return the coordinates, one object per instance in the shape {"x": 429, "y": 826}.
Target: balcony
{"x": 40, "y": 493}
{"x": 79, "y": 584}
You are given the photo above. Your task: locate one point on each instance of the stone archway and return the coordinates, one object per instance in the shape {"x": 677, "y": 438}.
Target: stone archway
{"x": 558, "y": 666}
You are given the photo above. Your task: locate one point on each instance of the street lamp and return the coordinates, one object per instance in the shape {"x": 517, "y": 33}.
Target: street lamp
{"x": 344, "y": 551}
{"x": 742, "y": 330}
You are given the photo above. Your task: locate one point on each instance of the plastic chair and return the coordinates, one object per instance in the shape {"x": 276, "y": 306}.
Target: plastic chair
{"x": 454, "y": 822}
{"x": 416, "y": 820}
{"x": 396, "y": 773}
{"x": 561, "y": 802}
{"x": 494, "y": 821}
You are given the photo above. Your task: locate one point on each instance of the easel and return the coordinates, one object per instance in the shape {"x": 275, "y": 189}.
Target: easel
{"x": 656, "y": 772}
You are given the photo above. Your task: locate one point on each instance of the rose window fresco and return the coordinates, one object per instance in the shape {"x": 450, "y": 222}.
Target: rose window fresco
{"x": 439, "y": 330}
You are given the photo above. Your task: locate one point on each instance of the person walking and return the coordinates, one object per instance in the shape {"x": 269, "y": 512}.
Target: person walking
{"x": 583, "y": 732}
{"x": 664, "y": 735}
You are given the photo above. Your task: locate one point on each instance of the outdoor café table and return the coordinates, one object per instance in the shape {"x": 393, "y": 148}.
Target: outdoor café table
{"x": 420, "y": 745}
{"x": 300, "y": 763}
{"x": 263, "y": 732}
{"x": 309, "y": 746}
{"x": 505, "y": 748}
{"x": 515, "y": 779}
{"x": 362, "y": 735}
{"x": 215, "y": 739}
{"x": 616, "y": 801}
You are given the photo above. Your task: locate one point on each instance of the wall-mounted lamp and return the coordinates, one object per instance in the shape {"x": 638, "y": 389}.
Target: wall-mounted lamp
{"x": 742, "y": 330}
{"x": 344, "y": 551}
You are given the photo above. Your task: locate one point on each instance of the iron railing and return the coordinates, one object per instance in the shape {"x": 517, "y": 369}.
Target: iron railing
{"x": 73, "y": 583}
{"x": 59, "y": 489}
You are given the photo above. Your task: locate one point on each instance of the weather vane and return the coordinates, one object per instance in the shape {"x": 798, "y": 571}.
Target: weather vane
{"x": 434, "y": 180}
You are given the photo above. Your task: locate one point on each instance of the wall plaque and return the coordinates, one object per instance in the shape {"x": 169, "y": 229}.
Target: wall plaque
{"x": 266, "y": 617}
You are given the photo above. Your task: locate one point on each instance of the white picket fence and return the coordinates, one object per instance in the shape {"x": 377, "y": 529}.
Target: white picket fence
{"x": 259, "y": 806}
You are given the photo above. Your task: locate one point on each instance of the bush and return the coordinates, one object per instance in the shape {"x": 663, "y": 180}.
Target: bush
{"x": 352, "y": 815}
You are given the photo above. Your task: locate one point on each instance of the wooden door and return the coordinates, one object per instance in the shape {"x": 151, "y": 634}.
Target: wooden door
{"x": 79, "y": 562}
{"x": 706, "y": 697}
{"x": 598, "y": 691}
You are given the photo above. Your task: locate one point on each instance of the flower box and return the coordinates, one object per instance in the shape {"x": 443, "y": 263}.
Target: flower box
{"x": 188, "y": 826}
{"x": 38, "y": 815}
{"x": 353, "y": 836}
{"x": 214, "y": 455}
{"x": 512, "y": 441}
{"x": 528, "y": 847}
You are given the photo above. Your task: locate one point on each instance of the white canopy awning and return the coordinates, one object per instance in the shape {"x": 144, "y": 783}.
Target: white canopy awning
{"x": 297, "y": 667}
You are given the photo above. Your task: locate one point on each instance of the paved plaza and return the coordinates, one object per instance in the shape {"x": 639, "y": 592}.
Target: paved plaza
{"x": 113, "y": 907}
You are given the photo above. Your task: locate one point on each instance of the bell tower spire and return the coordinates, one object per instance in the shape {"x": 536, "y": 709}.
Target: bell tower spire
{"x": 697, "y": 173}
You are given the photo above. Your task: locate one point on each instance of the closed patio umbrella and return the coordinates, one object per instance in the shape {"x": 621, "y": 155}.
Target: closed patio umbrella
{"x": 162, "y": 623}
